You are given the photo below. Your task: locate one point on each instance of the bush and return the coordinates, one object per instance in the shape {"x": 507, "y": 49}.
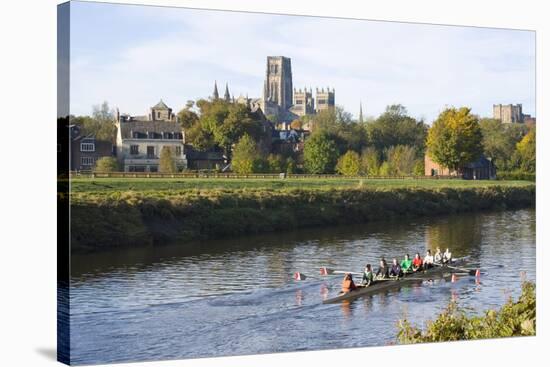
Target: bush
{"x": 513, "y": 319}
{"x": 516, "y": 176}
{"x": 349, "y": 164}
{"x": 106, "y": 164}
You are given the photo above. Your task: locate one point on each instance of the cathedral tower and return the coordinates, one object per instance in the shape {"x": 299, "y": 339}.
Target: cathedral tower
{"x": 278, "y": 81}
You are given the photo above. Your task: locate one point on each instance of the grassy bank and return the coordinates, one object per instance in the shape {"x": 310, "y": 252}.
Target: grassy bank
{"x": 107, "y": 214}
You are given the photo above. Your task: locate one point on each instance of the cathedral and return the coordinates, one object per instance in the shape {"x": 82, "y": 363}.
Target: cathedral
{"x": 280, "y": 98}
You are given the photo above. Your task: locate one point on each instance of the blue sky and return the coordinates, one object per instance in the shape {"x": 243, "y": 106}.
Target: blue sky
{"x": 132, "y": 56}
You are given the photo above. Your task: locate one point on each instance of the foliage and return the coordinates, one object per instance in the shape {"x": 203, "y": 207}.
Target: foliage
{"x": 186, "y": 117}
{"x": 167, "y": 161}
{"x": 320, "y": 153}
{"x": 394, "y": 127}
{"x": 296, "y": 124}
{"x": 513, "y": 319}
{"x": 370, "y": 162}
{"x": 499, "y": 141}
{"x": 419, "y": 167}
{"x": 161, "y": 210}
{"x": 349, "y": 164}
{"x": 526, "y": 151}
{"x": 455, "y": 138}
{"x": 276, "y": 163}
{"x": 401, "y": 160}
{"x": 101, "y": 124}
{"x": 290, "y": 165}
{"x": 516, "y": 175}
{"x": 106, "y": 164}
{"x": 245, "y": 156}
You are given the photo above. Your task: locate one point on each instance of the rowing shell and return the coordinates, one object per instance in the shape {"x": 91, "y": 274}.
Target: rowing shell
{"x": 391, "y": 283}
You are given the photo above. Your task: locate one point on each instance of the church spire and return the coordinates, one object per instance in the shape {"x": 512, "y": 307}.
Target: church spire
{"x": 215, "y": 95}
{"x": 360, "y": 112}
{"x": 226, "y": 95}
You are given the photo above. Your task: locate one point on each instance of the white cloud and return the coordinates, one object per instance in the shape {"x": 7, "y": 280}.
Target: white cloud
{"x": 423, "y": 67}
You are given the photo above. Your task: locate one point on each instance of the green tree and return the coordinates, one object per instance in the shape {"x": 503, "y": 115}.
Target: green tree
{"x": 349, "y": 164}
{"x": 106, "y": 164}
{"x": 101, "y": 124}
{"x": 385, "y": 169}
{"x": 275, "y": 163}
{"x": 290, "y": 165}
{"x": 394, "y": 127}
{"x": 245, "y": 156}
{"x": 455, "y": 138}
{"x": 499, "y": 141}
{"x": 527, "y": 152}
{"x": 401, "y": 160}
{"x": 419, "y": 168}
{"x": 370, "y": 161}
{"x": 186, "y": 117}
{"x": 167, "y": 160}
{"x": 320, "y": 153}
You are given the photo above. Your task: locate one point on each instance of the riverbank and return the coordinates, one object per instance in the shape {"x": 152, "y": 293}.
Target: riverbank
{"x": 108, "y": 218}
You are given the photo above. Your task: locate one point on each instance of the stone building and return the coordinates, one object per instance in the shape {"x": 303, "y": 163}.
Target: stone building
{"x": 508, "y": 113}
{"x": 86, "y": 150}
{"x": 303, "y": 103}
{"x": 140, "y": 139}
{"x": 324, "y": 99}
{"x": 481, "y": 169}
{"x": 278, "y": 82}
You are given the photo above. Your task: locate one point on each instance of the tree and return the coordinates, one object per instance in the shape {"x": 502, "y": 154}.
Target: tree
{"x": 401, "y": 160}
{"x": 167, "y": 161}
{"x": 320, "y": 153}
{"x": 290, "y": 165}
{"x": 186, "y": 117}
{"x": 349, "y": 164}
{"x": 245, "y": 156}
{"x": 527, "y": 152}
{"x": 106, "y": 164}
{"x": 419, "y": 168}
{"x": 296, "y": 124}
{"x": 370, "y": 161}
{"x": 499, "y": 141}
{"x": 455, "y": 138}
{"x": 275, "y": 163}
{"x": 101, "y": 124}
{"x": 394, "y": 127}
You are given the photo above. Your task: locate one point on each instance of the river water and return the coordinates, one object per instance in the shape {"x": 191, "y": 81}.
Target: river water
{"x": 237, "y": 296}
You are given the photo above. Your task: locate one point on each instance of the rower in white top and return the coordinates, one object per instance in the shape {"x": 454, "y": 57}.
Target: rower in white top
{"x": 438, "y": 256}
{"x": 428, "y": 261}
{"x": 447, "y": 256}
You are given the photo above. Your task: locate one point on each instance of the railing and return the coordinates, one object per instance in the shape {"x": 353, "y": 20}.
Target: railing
{"x": 220, "y": 175}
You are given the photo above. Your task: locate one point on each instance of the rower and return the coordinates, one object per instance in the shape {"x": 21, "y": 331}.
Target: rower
{"x": 382, "y": 270}
{"x": 368, "y": 276}
{"x": 348, "y": 285}
{"x": 428, "y": 260}
{"x": 417, "y": 262}
{"x": 438, "y": 256}
{"x": 406, "y": 264}
{"x": 395, "y": 271}
{"x": 447, "y": 256}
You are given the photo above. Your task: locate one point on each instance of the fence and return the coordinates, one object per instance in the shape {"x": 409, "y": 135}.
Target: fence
{"x": 219, "y": 175}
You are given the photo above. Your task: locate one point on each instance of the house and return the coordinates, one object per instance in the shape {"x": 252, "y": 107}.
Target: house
{"x": 140, "y": 139}
{"x": 86, "y": 150}
{"x": 481, "y": 169}
{"x": 208, "y": 160}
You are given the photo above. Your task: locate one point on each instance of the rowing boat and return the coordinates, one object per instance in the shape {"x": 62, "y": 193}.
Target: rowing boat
{"x": 385, "y": 284}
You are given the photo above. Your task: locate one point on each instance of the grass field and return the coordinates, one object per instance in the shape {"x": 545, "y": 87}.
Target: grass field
{"x": 82, "y": 185}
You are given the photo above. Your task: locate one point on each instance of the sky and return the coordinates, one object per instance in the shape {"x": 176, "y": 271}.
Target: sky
{"x": 132, "y": 56}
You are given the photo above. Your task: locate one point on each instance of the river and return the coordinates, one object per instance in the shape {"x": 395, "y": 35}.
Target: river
{"x": 237, "y": 296}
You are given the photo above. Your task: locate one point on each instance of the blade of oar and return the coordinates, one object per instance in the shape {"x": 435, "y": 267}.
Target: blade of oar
{"x": 475, "y": 272}
{"x": 329, "y": 271}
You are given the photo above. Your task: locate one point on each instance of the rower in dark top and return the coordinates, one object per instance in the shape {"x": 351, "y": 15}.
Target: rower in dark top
{"x": 368, "y": 276}
{"x": 383, "y": 271}
{"x": 395, "y": 271}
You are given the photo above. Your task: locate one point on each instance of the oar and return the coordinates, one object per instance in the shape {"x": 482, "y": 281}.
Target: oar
{"x": 475, "y": 272}
{"x": 329, "y": 271}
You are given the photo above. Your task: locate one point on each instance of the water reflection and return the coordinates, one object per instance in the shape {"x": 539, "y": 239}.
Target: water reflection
{"x": 237, "y": 295}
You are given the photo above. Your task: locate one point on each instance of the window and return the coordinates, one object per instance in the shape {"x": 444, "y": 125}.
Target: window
{"x": 158, "y": 114}
{"x": 321, "y": 101}
{"x": 153, "y": 169}
{"x": 150, "y": 151}
{"x": 87, "y": 147}
{"x": 299, "y": 101}
{"x": 136, "y": 168}
{"x": 178, "y": 151}
{"x": 87, "y": 161}
{"x": 134, "y": 149}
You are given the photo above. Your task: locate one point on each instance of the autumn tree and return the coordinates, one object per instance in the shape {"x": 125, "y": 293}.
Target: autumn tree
{"x": 401, "y": 160}
{"x": 455, "y": 138}
{"x": 370, "y": 161}
{"x": 106, "y": 164}
{"x": 320, "y": 153}
{"x": 527, "y": 152}
{"x": 349, "y": 164}
{"x": 167, "y": 160}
